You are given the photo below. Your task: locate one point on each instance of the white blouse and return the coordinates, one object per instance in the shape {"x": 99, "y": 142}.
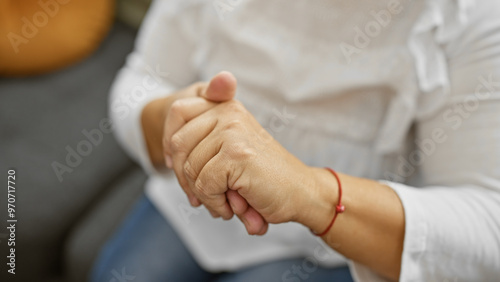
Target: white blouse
{"x": 406, "y": 92}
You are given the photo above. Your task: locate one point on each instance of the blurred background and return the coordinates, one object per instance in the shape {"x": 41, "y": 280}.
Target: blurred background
{"x": 74, "y": 184}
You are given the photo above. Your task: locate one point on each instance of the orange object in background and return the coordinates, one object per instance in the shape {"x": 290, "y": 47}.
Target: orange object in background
{"x": 38, "y": 36}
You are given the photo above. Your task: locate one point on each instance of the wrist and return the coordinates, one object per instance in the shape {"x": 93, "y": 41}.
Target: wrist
{"x": 152, "y": 118}
{"x": 318, "y": 206}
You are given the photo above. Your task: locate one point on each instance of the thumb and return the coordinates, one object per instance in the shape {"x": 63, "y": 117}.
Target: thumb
{"x": 221, "y": 88}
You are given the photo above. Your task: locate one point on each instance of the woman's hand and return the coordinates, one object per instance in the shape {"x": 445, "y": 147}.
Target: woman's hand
{"x": 221, "y": 88}
{"x": 229, "y": 162}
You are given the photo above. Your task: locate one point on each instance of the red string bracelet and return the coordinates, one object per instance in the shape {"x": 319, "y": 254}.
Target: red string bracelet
{"x": 338, "y": 209}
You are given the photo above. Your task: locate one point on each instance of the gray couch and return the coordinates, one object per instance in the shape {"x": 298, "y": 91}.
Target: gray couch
{"x": 62, "y": 224}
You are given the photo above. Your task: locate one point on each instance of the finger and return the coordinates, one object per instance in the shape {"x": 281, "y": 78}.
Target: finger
{"x": 211, "y": 185}
{"x": 202, "y": 144}
{"x": 238, "y": 204}
{"x": 214, "y": 214}
{"x": 181, "y": 112}
{"x": 221, "y": 88}
{"x": 182, "y": 144}
{"x": 196, "y": 143}
{"x": 253, "y": 221}
{"x": 201, "y": 140}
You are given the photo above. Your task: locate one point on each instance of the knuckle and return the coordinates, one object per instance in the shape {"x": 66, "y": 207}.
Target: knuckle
{"x": 189, "y": 171}
{"x": 241, "y": 151}
{"x": 176, "y": 107}
{"x": 183, "y": 183}
{"x": 233, "y": 125}
{"x": 200, "y": 189}
{"x": 235, "y": 106}
{"x": 177, "y": 143}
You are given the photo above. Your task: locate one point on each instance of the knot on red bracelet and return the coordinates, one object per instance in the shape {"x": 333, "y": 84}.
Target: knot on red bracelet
{"x": 340, "y": 208}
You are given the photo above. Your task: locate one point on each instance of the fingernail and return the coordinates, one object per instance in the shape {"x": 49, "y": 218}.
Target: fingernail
{"x": 168, "y": 160}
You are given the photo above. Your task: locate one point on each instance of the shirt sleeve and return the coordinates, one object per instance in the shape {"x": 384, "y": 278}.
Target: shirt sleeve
{"x": 161, "y": 63}
{"x": 453, "y": 222}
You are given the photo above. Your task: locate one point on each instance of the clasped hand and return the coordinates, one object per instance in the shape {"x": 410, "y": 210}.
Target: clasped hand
{"x": 224, "y": 159}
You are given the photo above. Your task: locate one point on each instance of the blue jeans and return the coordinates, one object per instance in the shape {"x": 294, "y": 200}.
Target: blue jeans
{"x": 146, "y": 249}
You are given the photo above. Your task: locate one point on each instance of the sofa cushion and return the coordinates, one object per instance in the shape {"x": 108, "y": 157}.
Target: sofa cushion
{"x": 37, "y": 36}
{"x": 88, "y": 236}
{"x": 41, "y": 118}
